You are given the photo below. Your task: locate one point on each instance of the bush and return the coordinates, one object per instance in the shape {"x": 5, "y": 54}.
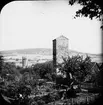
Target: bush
{"x": 44, "y": 70}
{"x": 40, "y": 102}
{"x": 17, "y": 90}
{"x": 34, "y": 103}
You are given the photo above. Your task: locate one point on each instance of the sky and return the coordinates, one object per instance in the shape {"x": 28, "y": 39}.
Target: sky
{"x": 34, "y": 24}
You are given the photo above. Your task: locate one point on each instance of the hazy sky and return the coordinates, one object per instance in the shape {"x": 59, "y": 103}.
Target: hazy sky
{"x": 34, "y": 24}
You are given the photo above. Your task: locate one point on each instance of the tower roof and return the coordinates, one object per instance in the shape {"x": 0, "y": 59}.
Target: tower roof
{"x": 62, "y": 37}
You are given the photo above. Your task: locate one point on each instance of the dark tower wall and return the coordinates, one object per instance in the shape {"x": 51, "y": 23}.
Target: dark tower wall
{"x": 54, "y": 53}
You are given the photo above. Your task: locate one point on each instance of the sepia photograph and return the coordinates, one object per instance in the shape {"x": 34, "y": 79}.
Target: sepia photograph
{"x": 51, "y": 52}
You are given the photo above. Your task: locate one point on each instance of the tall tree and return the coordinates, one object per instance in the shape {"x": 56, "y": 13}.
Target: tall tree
{"x": 91, "y": 8}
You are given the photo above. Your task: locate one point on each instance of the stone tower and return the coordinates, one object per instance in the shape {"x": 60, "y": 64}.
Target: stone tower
{"x": 24, "y": 62}
{"x": 60, "y": 50}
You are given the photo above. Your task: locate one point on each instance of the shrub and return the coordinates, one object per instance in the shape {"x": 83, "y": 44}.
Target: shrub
{"x": 40, "y": 102}
{"x": 44, "y": 70}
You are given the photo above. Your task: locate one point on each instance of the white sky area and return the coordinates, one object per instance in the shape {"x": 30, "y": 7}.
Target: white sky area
{"x": 34, "y": 24}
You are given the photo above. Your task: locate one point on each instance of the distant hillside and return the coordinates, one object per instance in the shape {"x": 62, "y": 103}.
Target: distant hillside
{"x": 47, "y": 51}
{"x": 42, "y": 51}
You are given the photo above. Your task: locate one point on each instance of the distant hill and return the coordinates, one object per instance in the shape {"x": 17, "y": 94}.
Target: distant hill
{"x": 47, "y": 51}
{"x": 42, "y": 51}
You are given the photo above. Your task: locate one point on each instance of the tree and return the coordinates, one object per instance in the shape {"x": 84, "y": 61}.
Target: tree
{"x": 78, "y": 67}
{"x": 91, "y": 8}
{"x": 44, "y": 70}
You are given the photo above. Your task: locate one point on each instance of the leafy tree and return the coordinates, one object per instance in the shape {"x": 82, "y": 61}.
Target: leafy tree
{"x": 85, "y": 68}
{"x": 77, "y": 67}
{"x": 90, "y": 8}
{"x": 80, "y": 70}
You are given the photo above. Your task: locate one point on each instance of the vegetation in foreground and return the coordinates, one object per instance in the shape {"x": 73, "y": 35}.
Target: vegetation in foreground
{"x": 39, "y": 84}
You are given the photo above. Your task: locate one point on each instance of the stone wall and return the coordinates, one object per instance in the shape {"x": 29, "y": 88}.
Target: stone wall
{"x": 60, "y": 49}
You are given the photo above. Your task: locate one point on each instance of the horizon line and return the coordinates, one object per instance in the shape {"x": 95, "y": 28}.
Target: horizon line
{"x": 52, "y": 49}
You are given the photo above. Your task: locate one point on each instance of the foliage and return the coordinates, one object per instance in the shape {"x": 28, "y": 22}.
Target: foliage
{"x": 44, "y": 70}
{"x": 37, "y": 101}
{"x": 1, "y": 62}
{"x": 98, "y": 77}
{"x": 40, "y": 102}
{"x": 9, "y": 72}
{"x": 79, "y": 67}
{"x": 15, "y": 85}
{"x": 62, "y": 82}
{"x": 27, "y": 83}
{"x": 18, "y": 91}
{"x": 30, "y": 79}
{"x": 33, "y": 80}
{"x": 91, "y": 8}
{"x": 51, "y": 97}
